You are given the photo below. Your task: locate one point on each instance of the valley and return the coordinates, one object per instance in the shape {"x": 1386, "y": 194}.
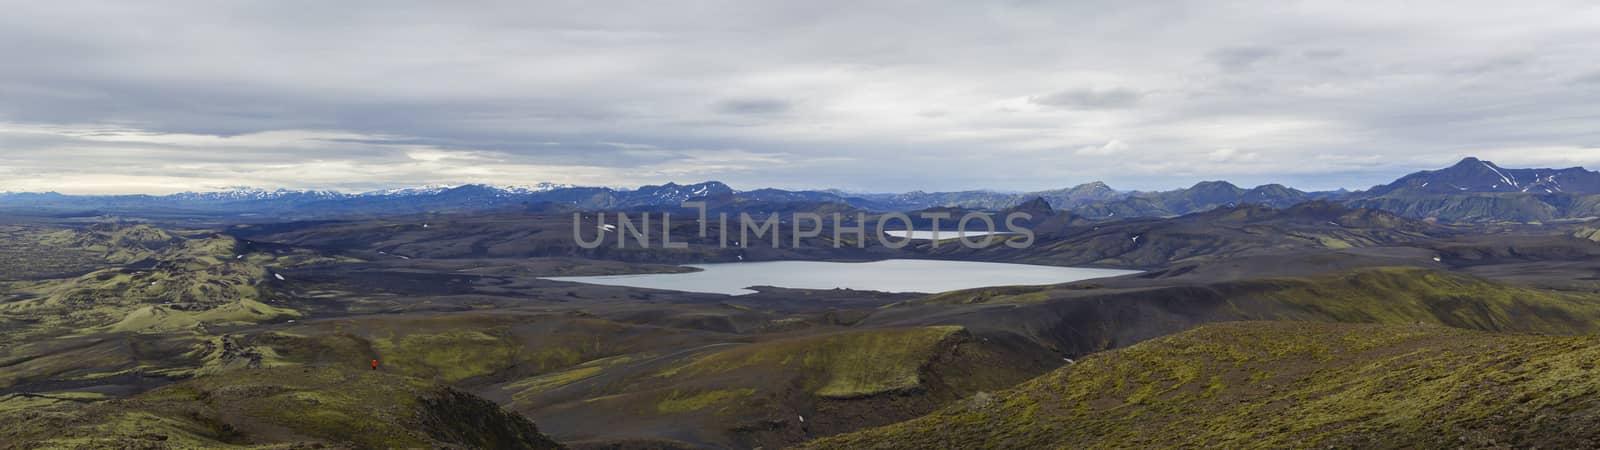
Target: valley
{"x": 1238, "y": 325}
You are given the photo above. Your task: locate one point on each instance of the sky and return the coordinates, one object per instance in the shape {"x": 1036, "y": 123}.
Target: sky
{"x": 882, "y": 96}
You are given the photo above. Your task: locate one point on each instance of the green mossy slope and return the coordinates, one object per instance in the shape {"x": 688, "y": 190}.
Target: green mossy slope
{"x": 1287, "y": 385}
{"x": 271, "y": 407}
{"x": 772, "y": 393}
{"x": 1408, "y": 295}
{"x": 842, "y": 365}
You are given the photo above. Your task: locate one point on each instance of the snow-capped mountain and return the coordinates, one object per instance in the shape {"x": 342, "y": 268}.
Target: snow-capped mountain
{"x": 673, "y": 193}
{"x": 533, "y": 188}
{"x": 434, "y": 189}
{"x": 248, "y": 193}
{"x": 1476, "y": 175}
{"x": 1472, "y": 189}
{"x": 426, "y": 189}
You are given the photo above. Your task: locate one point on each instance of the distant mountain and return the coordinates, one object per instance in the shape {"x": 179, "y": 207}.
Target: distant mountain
{"x": 1067, "y": 198}
{"x": 1475, "y": 190}
{"x": 1219, "y": 232}
{"x": 1475, "y": 175}
{"x": 1472, "y": 190}
{"x": 246, "y": 194}
{"x": 1091, "y": 200}
{"x": 293, "y": 204}
{"x": 1079, "y": 195}
{"x": 672, "y": 194}
{"x": 1203, "y": 196}
{"x": 915, "y": 200}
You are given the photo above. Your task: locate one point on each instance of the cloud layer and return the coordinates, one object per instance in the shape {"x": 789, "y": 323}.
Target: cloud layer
{"x": 100, "y": 97}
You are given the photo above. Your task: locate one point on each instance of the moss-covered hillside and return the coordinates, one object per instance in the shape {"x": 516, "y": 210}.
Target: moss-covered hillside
{"x": 173, "y": 283}
{"x": 1080, "y": 318}
{"x": 771, "y": 393}
{"x": 293, "y": 407}
{"x": 1287, "y": 385}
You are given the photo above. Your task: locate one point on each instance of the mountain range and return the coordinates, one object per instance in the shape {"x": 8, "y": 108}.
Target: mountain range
{"x": 1471, "y": 190}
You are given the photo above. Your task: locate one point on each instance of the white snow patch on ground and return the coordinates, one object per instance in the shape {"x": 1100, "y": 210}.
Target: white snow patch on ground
{"x": 1502, "y": 176}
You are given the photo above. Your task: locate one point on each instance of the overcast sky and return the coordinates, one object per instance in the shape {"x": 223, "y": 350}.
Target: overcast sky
{"x": 158, "y": 97}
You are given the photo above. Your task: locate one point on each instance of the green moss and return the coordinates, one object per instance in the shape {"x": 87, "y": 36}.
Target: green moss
{"x": 543, "y": 383}
{"x": 1004, "y": 294}
{"x": 842, "y": 365}
{"x": 678, "y": 402}
{"x": 1286, "y": 385}
{"x": 528, "y": 387}
{"x": 1411, "y": 295}
{"x": 309, "y": 407}
{"x": 448, "y": 356}
{"x": 241, "y": 312}
{"x": 195, "y": 280}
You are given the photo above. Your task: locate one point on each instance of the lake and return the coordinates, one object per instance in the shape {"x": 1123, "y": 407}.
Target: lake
{"x": 894, "y": 275}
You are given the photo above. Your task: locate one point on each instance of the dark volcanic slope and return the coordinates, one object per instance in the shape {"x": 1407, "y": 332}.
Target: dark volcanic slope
{"x": 1471, "y": 190}
{"x": 1287, "y": 385}
{"x": 303, "y": 407}
{"x": 227, "y": 327}
{"x": 1475, "y": 175}
{"x": 1218, "y": 233}
{"x": 1086, "y": 317}
{"x": 1477, "y": 190}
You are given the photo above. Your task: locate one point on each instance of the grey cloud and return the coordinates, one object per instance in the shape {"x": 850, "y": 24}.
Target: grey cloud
{"x": 1240, "y": 58}
{"x": 341, "y": 94}
{"x": 1323, "y": 53}
{"x": 753, "y": 106}
{"x": 1090, "y": 98}
{"x": 1499, "y": 63}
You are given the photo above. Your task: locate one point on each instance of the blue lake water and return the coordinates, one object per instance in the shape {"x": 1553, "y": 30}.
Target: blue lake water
{"x": 894, "y": 275}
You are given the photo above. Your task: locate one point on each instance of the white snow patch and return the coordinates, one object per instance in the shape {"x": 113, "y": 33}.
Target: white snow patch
{"x": 1502, "y": 176}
